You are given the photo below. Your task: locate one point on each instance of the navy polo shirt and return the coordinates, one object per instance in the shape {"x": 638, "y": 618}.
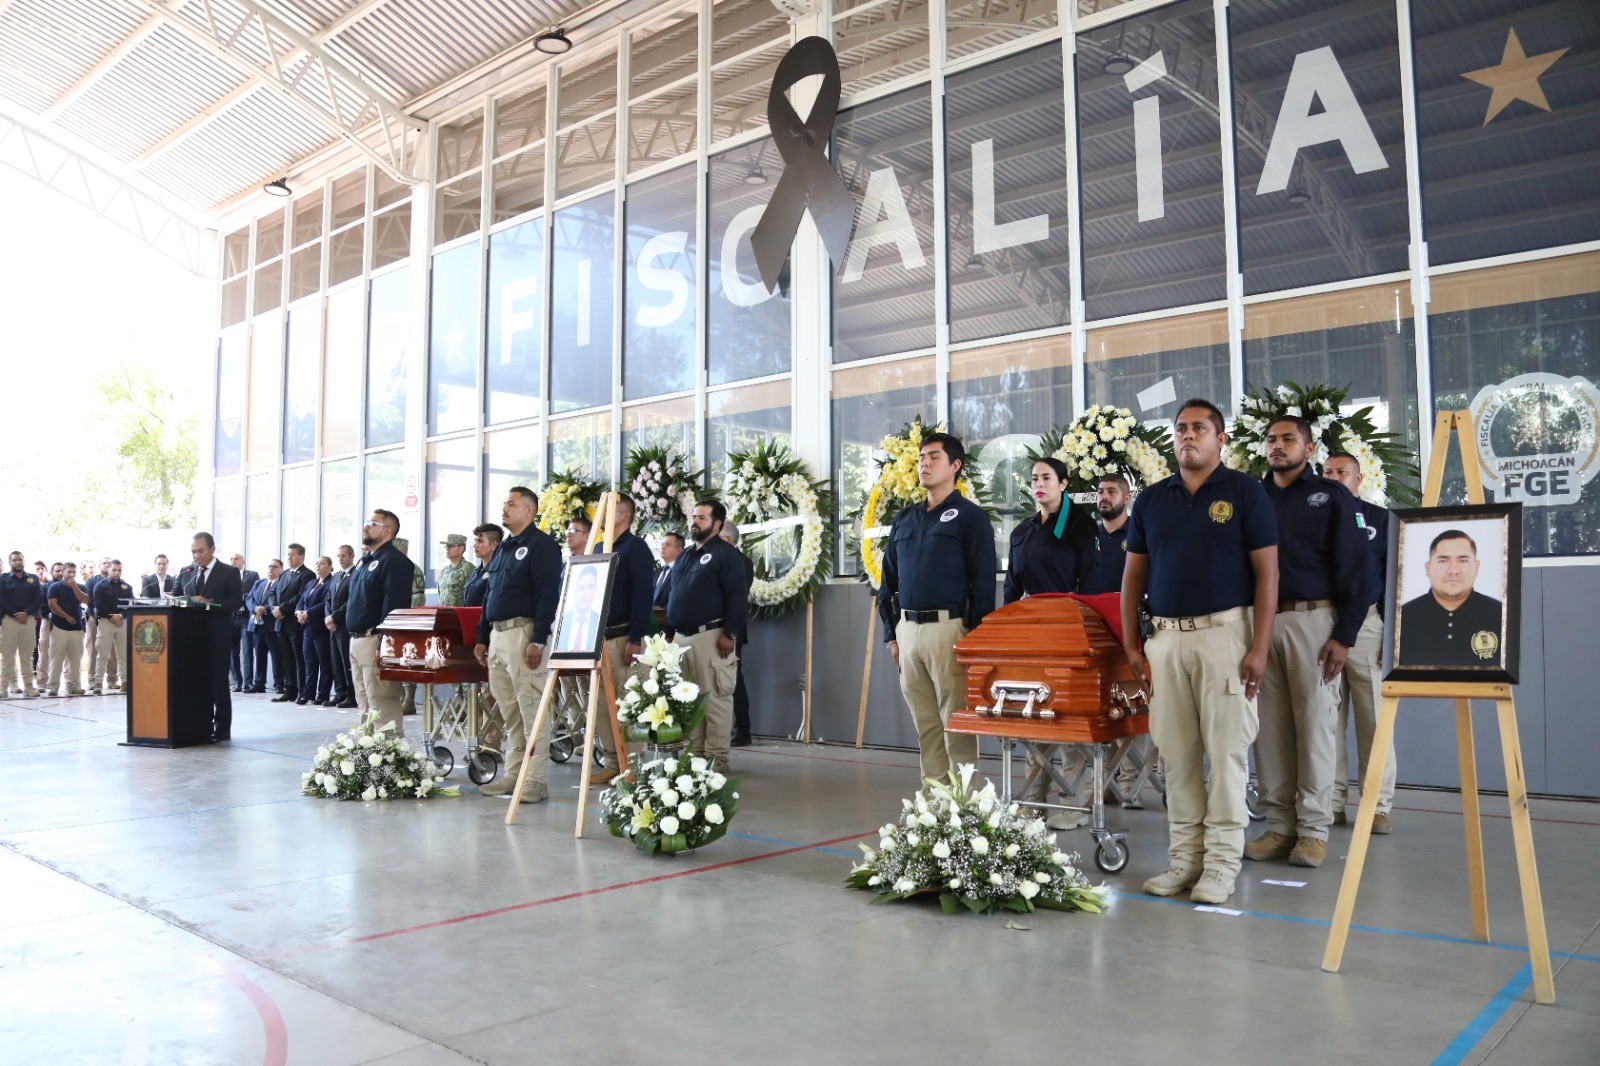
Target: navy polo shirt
{"x": 1322, "y": 553}
{"x": 524, "y": 582}
{"x": 1375, "y": 528}
{"x": 631, "y": 587}
{"x": 107, "y": 597}
{"x": 1105, "y": 561}
{"x": 380, "y": 582}
{"x": 20, "y": 595}
{"x": 709, "y": 582}
{"x": 67, "y": 600}
{"x": 1041, "y": 561}
{"x": 939, "y": 560}
{"x": 477, "y": 587}
{"x": 1199, "y": 543}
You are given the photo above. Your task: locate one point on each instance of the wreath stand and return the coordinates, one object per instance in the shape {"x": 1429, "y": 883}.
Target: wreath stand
{"x": 803, "y": 734}
{"x": 876, "y": 533}
{"x": 599, "y": 673}
{"x": 1459, "y": 425}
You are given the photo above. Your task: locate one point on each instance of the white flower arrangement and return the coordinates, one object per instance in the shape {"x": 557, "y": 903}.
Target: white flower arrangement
{"x": 663, "y": 485}
{"x": 671, "y": 804}
{"x": 661, "y": 705}
{"x": 1108, "y": 440}
{"x": 973, "y": 851}
{"x": 367, "y": 763}
{"x": 769, "y": 483}
{"x": 1381, "y": 456}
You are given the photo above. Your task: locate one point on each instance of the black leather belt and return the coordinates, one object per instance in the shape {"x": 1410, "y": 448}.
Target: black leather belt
{"x": 362, "y": 634}
{"x": 620, "y": 630}
{"x": 927, "y": 617}
{"x": 715, "y": 623}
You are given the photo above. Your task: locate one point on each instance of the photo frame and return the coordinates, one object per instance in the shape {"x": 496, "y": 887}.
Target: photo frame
{"x": 580, "y": 627}
{"x": 1453, "y": 611}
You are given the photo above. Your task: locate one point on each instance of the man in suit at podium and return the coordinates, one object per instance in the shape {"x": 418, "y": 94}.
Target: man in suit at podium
{"x": 208, "y": 581}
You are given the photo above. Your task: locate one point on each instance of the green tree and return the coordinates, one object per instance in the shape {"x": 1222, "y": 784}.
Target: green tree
{"x": 156, "y": 446}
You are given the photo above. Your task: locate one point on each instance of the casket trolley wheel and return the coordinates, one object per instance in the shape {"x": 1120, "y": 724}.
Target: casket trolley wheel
{"x": 562, "y": 747}
{"x": 483, "y": 766}
{"x": 444, "y": 759}
{"x": 1111, "y": 853}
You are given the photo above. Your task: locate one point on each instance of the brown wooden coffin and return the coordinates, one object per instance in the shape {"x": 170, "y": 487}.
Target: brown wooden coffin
{"x": 1066, "y": 647}
{"x": 410, "y": 634}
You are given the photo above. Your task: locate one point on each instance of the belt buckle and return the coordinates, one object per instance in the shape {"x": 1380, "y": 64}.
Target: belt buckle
{"x": 1187, "y": 625}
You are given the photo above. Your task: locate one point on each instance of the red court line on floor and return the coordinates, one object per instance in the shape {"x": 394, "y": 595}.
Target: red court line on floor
{"x": 445, "y": 922}
{"x": 276, "y": 1032}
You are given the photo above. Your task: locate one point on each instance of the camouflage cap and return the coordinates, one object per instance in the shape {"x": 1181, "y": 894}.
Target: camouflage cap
{"x": 454, "y": 540}
{"x": 402, "y": 543}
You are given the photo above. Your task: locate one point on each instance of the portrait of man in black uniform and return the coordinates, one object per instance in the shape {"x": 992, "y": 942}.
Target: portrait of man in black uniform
{"x": 1461, "y": 623}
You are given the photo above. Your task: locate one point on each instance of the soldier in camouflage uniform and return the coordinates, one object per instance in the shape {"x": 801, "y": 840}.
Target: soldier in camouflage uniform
{"x": 419, "y": 595}
{"x": 453, "y": 576}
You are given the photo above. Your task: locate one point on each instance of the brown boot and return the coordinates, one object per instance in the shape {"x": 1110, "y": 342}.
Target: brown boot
{"x": 605, "y": 775}
{"x": 1308, "y": 851}
{"x": 1269, "y": 845}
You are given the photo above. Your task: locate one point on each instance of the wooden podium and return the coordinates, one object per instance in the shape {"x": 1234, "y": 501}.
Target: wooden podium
{"x": 169, "y": 673}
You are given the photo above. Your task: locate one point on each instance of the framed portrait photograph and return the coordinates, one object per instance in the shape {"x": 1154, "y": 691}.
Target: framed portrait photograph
{"x": 580, "y": 630}
{"x": 1453, "y": 609}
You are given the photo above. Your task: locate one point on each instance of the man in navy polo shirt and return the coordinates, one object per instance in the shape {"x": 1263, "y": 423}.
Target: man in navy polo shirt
{"x": 1322, "y": 599}
{"x": 1205, "y": 545}
{"x": 1111, "y": 537}
{"x": 1363, "y": 670}
{"x": 939, "y": 569}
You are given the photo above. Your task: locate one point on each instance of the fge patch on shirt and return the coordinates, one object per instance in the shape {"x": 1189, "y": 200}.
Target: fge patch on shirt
{"x": 950, "y": 515}
{"x": 522, "y": 553}
{"x": 1317, "y": 499}
{"x": 1221, "y": 511}
{"x": 372, "y": 567}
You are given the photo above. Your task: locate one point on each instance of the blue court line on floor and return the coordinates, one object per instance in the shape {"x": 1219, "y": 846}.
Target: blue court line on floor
{"x": 1521, "y": 949}
{"x": 1459, "y": 1048}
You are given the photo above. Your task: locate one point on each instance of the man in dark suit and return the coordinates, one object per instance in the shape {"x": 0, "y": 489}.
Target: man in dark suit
{"x": 281, "y": 603}
{"x": 262, "y": 630}
{"x": 344, "y": 692}
{"x": 671, "y": 547}
{"x": 208, "y": 581}
{"x": 159, "y": 583}
{"x": 239, "y": 664}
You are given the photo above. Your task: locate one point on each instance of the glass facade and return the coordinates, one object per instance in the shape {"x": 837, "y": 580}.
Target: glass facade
{"x": 1055, "y": 206}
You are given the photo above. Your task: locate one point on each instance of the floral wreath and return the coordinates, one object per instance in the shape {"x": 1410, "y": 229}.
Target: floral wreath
{"x": 663, "y": 485}
{"x": 1387, "y": 469}
{"x": 770, "y": 484}
{"x": 1108, "y": 440}
{"x": 898, "y": 486}
{"x": 367, "y": 762}
{"x": 568, "y": 495}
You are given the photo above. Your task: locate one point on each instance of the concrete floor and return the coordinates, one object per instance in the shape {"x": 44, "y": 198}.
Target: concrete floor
{"x": 189, "y": 907}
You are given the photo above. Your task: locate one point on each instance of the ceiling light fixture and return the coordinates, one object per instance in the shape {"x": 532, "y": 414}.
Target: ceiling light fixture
{"x": 279, "y": 187}
{"x": 1117, "y": 64}
{"x": 755, "y": 176}
{"x": 1298, "y": 196}
{"x": 553, "y": 42}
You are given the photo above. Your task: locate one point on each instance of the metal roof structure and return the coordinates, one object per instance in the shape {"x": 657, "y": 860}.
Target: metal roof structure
{"x": 161, "y": 115}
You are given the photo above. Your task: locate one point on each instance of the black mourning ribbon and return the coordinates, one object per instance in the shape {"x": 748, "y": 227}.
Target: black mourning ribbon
{"x": 808, "y": 176}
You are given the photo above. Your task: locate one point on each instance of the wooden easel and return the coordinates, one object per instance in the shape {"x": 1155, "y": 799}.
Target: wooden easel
{"x": 1459, "y": 425}
{"x": 599, "y": 673}
{"x": 866, "y": 669}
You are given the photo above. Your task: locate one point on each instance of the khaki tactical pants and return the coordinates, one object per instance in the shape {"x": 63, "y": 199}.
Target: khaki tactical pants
{"x": 1199, "y": 714}
{"x": 111, "y": 655}
{"x": 935, "y": 687}
{"x": 42, "y": 674}
{"x": 91, "y": 648}
{"x": 1295, "y": 748}
{"x": 371, "y": 691}
{"x": 16, "y": 646}
{"x": 66, "y": 660}
{"x": 1363, "y": 682}
{"x": 717, "y": 677}
{"x": 517, "y": 689}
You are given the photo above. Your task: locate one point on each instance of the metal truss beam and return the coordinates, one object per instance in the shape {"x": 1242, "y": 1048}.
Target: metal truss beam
{"x": 270, "y": 53}
{"x": 108, "y": 196}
